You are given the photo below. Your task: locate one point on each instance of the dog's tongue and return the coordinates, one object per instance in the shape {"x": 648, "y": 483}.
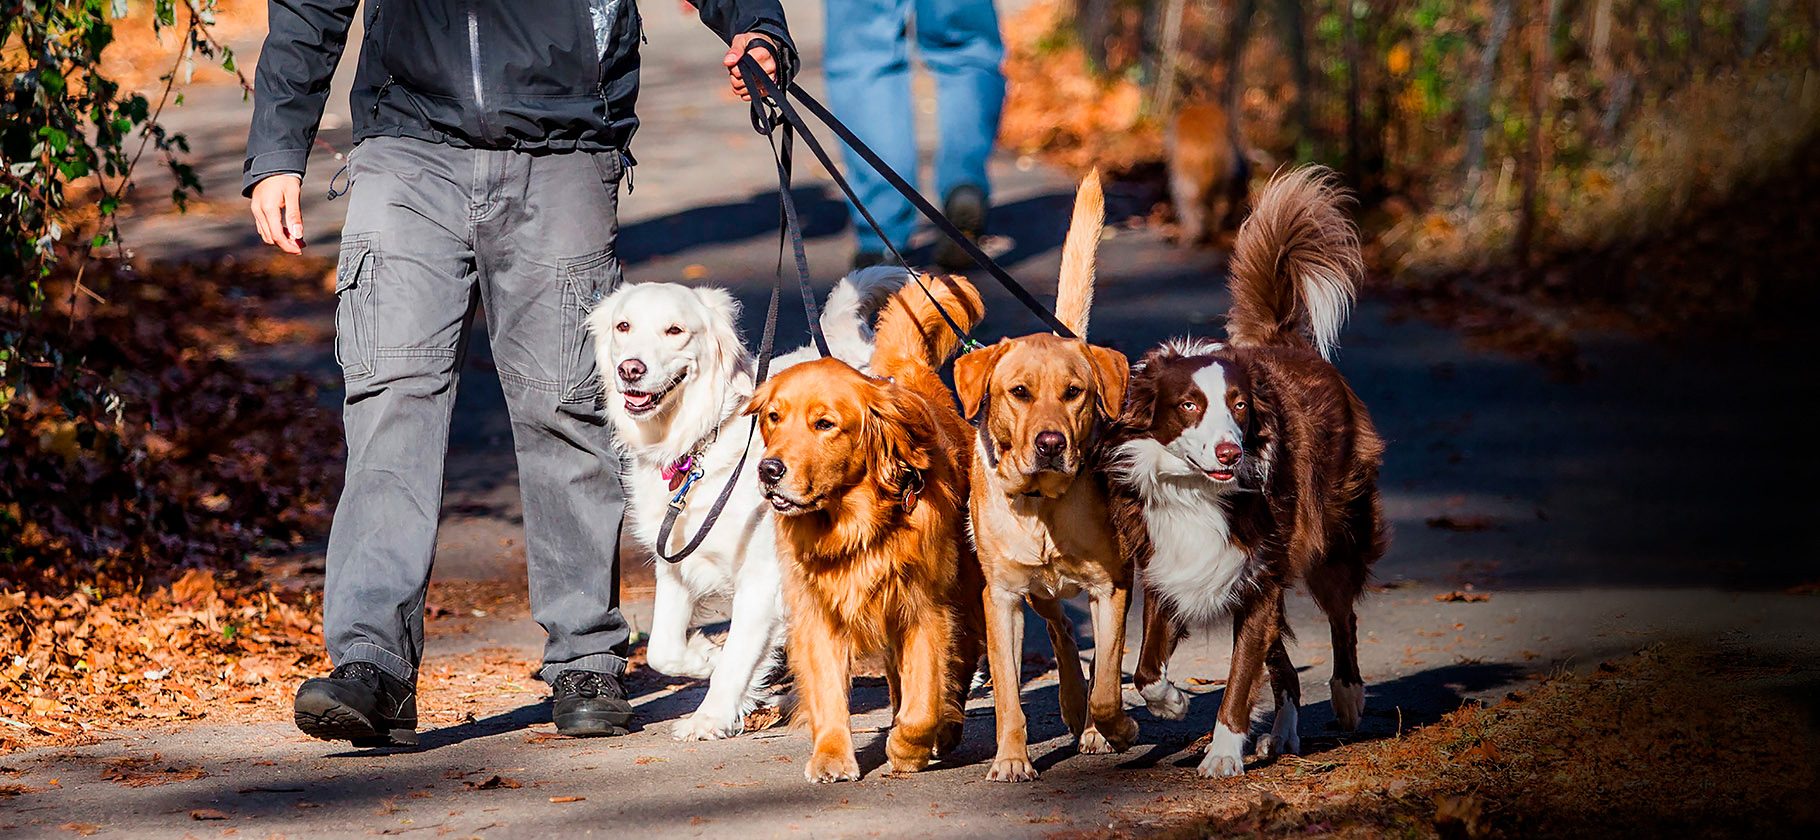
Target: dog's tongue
{"x": 637, "y": 400}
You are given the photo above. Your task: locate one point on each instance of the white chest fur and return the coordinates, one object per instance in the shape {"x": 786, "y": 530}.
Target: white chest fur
{"x": 1194, "y": 563}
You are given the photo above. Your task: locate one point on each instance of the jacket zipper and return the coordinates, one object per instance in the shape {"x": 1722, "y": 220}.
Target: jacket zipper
{"x": 480, "y": 97}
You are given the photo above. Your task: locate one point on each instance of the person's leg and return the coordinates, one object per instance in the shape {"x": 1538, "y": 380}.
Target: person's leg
{"x": 406, "y": 289}
{"x": 545, "y": 252}
{"x": 959, "y": 42}
{"x": 868, "y": 68}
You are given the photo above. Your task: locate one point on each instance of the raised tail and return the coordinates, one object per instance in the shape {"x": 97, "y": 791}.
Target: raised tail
{"x": 912, "y": 335}
{"x": 1296, "y": 265}
{"x": 1074, "y": 293}
{"x": 847, "y": 313}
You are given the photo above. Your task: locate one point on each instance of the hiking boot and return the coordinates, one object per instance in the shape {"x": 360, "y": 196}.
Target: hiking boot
{"x": 589, "y": 703}
{"x": 360, "y": 703}
{"x": 868, "y": 259}
{"x": 966, "y": 208}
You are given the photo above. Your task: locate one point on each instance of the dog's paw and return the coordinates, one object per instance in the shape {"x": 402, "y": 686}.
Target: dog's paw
{"x": 823, "y": 769}
{"x": 1109, "y": 736}
{"x": 702, "y": 727}
{"x": 1225, "y": 754}
{"x": 1011, "y": 769}
{"x": 1165, "y": 701}
{"x": 1348, "y": 703}
{"x": 1283, "y": 739}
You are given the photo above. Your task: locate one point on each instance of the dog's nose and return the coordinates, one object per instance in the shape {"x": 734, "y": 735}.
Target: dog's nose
{"x": 1228, "y": 453}
{"x": 771, "y": 470}
{"x": 631, "y": 369}
{"x": 1049, "y": 444}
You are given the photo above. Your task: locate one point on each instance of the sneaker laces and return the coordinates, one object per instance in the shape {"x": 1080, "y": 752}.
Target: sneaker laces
{"x": 365, "y": 672}
{"x": 588, "y": 684}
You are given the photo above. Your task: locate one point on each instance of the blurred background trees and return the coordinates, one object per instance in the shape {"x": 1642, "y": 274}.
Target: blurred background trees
{"x": 1486, "y": 130}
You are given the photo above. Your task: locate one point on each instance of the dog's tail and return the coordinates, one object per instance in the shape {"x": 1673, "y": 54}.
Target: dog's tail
{"x": 1296, "y": 264}
{"x": 847, "y": 313}
{"x": 1074, "y": 293}
{"x": 913, "y": 335}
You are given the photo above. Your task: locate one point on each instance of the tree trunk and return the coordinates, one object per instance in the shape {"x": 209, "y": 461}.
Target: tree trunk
{"x": 1295, "y": 40}
{"x": 1541, "y": 67}
{"x": 1478, "y": 99}
{"x": 1354, "y": 61}
{"x": 1093, "y": 25}
{"x": 1237, "y": 33}
{"x": 1755, "y": 26}
{"x": 1162, "y": 96}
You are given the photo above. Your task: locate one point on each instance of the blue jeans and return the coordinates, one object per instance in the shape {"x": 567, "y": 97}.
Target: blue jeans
{"x": 868, "y": 67}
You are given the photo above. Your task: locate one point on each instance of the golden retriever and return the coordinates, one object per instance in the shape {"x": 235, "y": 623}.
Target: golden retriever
{"x": 1040, "y": 515}
{"x": 868, "y": 478}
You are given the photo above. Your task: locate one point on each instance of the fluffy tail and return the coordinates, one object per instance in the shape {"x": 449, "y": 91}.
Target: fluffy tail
{"x": 847, "y": 313}
{"x": 1074, "y": 294}
{"x": 1296, "y": 264}
{"x": 912, "y": 335}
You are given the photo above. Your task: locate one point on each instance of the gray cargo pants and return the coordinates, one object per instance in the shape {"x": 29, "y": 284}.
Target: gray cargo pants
{"x": 432, "y": 232}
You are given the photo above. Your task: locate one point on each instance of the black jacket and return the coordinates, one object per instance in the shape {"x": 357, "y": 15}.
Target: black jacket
{"x": 493, "y": 74}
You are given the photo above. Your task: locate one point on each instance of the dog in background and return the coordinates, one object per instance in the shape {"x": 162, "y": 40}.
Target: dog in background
{"x": 1040, "y": 516}
{"x": 868, "y": 480}
{"x": 678, "y": 375}
{"x": 1242, "y": 467}
{"x": 1208, "y": 172}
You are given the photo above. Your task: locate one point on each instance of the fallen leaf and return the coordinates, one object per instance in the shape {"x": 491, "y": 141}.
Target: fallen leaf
{"x": 207, "y": 814}
{"x": 1469, "y": 597}
{"x": 84, "y": 829}
{"x": 567, "y": 798}
{"x": 493, "y": 783}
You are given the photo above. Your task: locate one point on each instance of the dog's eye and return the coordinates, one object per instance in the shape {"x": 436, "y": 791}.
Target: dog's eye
{"x": 1238, "y": 406}
{"x": 1020, "y": 392}
{"x": 1190, "y": 406}
{"x": 773, "y": 417}
{"x": 623, "y": 326}
{"x": 673, "y": 330}
{"x": 824, "y": 425}
{"x": 1072, "y": 392}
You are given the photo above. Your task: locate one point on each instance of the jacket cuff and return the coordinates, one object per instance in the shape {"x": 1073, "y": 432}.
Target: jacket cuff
{"x": 261, "y": 166}
{"x": 777, "y": 35}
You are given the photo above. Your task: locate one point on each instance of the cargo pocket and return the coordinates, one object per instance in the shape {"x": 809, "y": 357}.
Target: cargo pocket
{"x": 355, "y": 326}
{"x": 585, "y": 281}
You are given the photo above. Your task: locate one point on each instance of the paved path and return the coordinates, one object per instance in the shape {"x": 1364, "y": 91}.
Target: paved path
{"x": 1637, "y": 506}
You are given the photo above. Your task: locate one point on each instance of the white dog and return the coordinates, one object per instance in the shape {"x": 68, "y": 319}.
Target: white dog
{"x": 678, "y": 375}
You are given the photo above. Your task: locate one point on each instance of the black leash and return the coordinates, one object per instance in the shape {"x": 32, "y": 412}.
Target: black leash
{"x": 764, "y": 122}
{"x": 775, "y": 92}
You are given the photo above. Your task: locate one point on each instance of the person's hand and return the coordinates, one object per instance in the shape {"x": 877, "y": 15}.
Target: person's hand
{"x": 766, "y": 58}
{"x": 276, "y": 211}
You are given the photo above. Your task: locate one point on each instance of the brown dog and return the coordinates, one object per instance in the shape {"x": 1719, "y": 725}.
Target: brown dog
{"x": 1207, "y": 172}
{"x": 1040, "y": 516}
{"x": 868, "y": 478}
{"x": 1241, "y": 468}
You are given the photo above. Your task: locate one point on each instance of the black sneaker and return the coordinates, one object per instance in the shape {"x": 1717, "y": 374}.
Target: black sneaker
{"x": 868, "y": 259}
{"x": 589, "y": 703}
{"x": 966, "y": 208}
{"x": 360, "y": 703}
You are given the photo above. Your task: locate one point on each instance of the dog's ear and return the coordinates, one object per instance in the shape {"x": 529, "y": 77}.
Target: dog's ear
{"x": 723, "y": 328}
{"x": 1110, "y": 373}
{"x": 899, "y": 429}
{"x": 1139, "y": 412}
{"x": 973, "y": 376}
{"x": 760, "y": 398}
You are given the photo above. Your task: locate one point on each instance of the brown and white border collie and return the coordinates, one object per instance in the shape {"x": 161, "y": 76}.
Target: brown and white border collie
{"x": 1241, "y": 467}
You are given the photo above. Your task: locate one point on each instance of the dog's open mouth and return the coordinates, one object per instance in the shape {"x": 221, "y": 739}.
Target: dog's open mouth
{"x": 1220, "y": 475}
{"x": 786, "y": 506}
{"x": 639, "y": 403}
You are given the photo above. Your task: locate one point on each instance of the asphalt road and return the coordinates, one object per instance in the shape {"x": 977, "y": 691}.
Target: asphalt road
{"x": 1649, "y": 502}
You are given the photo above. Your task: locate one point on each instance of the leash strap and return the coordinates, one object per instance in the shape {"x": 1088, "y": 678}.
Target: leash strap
{"x": 765, "y": 122}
